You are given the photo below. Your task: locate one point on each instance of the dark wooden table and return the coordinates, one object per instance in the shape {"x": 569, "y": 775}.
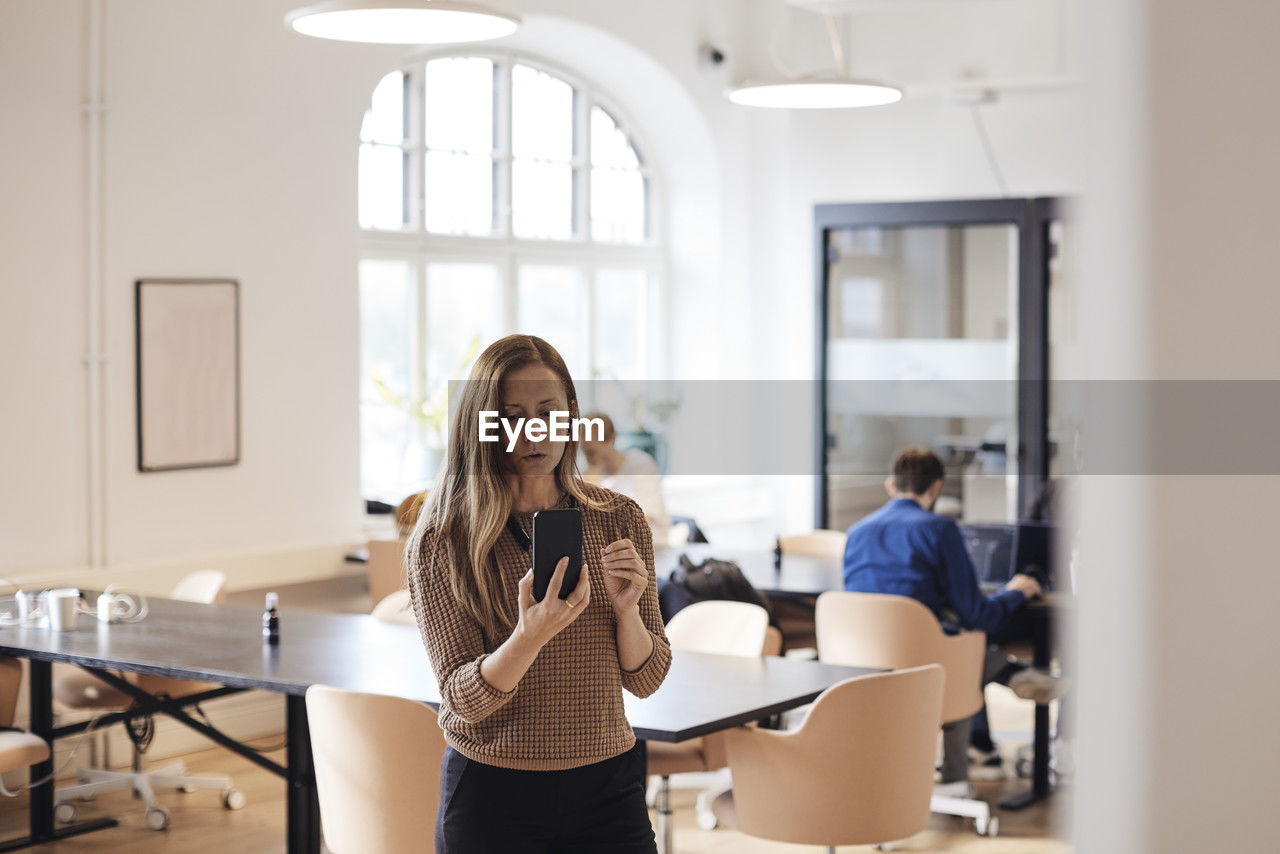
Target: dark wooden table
{"x": 801, "y": 576}
{"x": 223, "y": 644}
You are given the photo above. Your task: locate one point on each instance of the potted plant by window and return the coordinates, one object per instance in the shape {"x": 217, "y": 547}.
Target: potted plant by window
{"x": 430, "y": 411}
{"x": 649, "y": 412}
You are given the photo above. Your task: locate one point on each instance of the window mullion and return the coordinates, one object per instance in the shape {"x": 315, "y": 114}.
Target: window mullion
{"x": 421, "y": 343}
{"x": 502, "y": 150}
{"x": 414, "y": 95}
{"x": 511, "y": 293}
{"x": 590, "y": 272}
{"x": 582, "y": 165}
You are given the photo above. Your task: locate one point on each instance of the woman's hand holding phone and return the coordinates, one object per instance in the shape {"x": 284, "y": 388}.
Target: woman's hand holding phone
{"x": 625, "y": 575}
{"x": 541, "y": 621}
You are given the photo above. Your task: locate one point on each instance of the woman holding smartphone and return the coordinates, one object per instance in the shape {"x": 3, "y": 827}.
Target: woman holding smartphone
{"x": 540, "y": 756}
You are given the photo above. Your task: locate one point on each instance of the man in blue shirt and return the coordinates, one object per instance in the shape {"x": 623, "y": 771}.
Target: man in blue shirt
{"x": 906, "y": 550}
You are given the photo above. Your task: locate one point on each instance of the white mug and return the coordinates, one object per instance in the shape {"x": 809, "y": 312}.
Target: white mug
{"x": 63, "y": 604}
{"x": 119, "y": 607}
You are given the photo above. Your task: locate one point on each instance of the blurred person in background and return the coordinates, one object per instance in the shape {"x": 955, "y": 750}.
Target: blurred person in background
{"x": 906, "y": 549}
{"x": 631, "y": 472}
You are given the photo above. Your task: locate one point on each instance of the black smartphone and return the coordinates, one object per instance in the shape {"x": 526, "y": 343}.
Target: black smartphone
{"x": 556, "y": 533}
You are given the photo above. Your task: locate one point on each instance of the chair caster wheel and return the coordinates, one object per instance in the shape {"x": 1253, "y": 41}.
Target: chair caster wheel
{"x": 233, "y": 799}
{"x": 64, "y": 812}
{"x": 707, "y": 820}
{"x": 989, "y": 828}
{"x": 186, "y": 790}
{"x": 157, "y": 818}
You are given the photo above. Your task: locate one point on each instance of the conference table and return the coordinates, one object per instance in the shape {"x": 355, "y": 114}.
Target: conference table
{"x": 809, "y": 576}
{"x": 223, "y": 644}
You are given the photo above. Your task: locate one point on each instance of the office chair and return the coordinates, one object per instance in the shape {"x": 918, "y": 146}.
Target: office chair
{"x": 85, "y": 692}
{"x": 17, "y": 749}
{"x": 377, "y": 762}
{"x": 897, "y": 632}
{"x": 858, "y": 772}
{"x": 678, "y": 534}
{"x": 385, "y": 567}
{"x": 395, "y": 608}
{"x": 726, "y": 628}
{"x": 820, "y": 543}
{"x": 794, "y": 615}
{"x": 719, "y": 626}
{"x": 693, "y": 534}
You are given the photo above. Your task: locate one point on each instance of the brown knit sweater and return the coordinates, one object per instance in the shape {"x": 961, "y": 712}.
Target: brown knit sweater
{"x": 567, "y": 709}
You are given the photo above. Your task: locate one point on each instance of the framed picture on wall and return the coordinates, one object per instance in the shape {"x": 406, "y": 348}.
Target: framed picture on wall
{"x": 188, "y": 373}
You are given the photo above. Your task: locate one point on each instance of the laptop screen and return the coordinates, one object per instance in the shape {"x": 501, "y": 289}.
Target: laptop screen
{"x": 999, "y": 550}
{"x": 992, "y": 548}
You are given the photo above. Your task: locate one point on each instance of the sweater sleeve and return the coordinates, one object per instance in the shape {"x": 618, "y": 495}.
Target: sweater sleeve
{"x": 646, "y": 679}
{"x": 453, "y": 638}
{"x": 986, "y": 613}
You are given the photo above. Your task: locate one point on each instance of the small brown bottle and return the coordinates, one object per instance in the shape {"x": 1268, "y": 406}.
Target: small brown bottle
{"x": 271, "y": 620}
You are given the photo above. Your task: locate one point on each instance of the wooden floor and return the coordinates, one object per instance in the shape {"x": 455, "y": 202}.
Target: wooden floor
{"x": 200, "y": 825}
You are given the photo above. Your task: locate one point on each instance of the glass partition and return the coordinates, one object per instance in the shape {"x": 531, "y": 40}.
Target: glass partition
{"x": 932, "y": 332}
{"x": 920, "y": 333}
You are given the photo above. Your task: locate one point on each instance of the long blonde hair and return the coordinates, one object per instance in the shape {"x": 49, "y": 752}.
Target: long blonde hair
{"x": 467, "y": 508}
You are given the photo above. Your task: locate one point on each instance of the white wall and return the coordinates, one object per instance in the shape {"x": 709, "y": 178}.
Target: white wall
{"x": 42, "y": 506}
{"x": 1177, "y": 638}
{"x": 229, "y": 152}
{"x": 226, "y": 153}
{"x": 925, "y": 147}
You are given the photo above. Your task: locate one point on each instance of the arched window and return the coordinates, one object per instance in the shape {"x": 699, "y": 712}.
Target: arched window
{"x": 496, "y": 195}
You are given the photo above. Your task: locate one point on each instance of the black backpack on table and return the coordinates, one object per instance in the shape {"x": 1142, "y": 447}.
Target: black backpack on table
{"x": 711, "y": 579}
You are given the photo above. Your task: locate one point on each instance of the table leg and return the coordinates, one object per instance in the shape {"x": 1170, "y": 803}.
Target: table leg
{"x": 40, "y": 797}
{"x": 303, "y": 803}
{"x": 40, "y": 806}
{"x": 1042, "y": 657}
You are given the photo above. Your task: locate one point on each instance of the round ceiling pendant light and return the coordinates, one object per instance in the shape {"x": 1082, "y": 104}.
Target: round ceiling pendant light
{"x": 813, "y": 93}
{"x": 402, "y": 21}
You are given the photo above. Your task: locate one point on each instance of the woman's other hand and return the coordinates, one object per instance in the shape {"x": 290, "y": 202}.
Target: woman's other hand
{"x": 625, "y": 575}
{"x": 541, "y": 621}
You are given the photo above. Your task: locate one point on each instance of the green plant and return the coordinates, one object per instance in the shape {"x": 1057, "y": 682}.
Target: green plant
{"x": 431, "y": 408}
{"x": 644, "y": 409}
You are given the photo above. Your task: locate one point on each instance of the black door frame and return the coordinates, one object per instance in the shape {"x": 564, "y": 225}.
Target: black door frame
{"x": 1032, "y": 218}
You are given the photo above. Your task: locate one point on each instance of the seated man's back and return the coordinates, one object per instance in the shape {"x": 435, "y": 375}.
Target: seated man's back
{"x": 906, "y": 550}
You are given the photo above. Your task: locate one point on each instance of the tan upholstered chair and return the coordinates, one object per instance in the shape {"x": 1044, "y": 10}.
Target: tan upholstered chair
{"x": 715, "y": 626}
{"x": 385, "y": 567}
{"x": 772, "y": 642}
{"x": 719, "y": 626}
{"x": 203, "y": 585}
{"x": 377, "y": 763}
{"x": 794, "y": 614}
{"x": 85, "y": 692}
{"x": 819, "y": 543}
{"x": 395, "y": 608}
{"x": 17, "y": 749}
{"x": 858, "y": 772}
{"x": 897, "y": 632}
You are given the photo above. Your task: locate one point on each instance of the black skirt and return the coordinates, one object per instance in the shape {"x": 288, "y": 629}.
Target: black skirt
{"x": 595, "y": 809}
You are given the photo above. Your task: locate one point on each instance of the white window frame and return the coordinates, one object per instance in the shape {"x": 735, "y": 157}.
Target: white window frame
{"x": 419, "y": 248}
